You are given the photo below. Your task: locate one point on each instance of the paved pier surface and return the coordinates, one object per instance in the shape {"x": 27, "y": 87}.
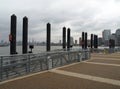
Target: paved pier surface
{"x": 102, "y": 71}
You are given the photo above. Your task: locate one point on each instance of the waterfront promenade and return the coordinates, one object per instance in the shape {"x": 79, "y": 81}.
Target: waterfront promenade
{"x": 102, "y": 71}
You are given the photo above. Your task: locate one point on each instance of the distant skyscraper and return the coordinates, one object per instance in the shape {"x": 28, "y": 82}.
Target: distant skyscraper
{"x": 113, "y": 37}
{"x": 106, "y": 35}
{"x": 60, "y": 42}
{"x": 118, "y": 37}
{"x": 80, "y": 41}
{"x": 71, "y": 41}
{"x": 100, "y": 41}
{"x": 75, "y": 42}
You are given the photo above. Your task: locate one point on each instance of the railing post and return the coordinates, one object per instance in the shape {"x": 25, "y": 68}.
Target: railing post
{"x": 83, "y": 54}
{"x": 86, "y": 54}
{"x": 41, "y": 68}
{"x": 61, "y": 61}
{"x": 79, "y": 57}
{"x": 1, "y": 65}
{"x": 49, "y": 62}
{"x": 68, "y": 58}
{"x": 28, "y": 64}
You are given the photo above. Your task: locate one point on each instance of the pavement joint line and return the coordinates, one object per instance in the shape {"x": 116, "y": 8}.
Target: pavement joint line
{"x": 105, "y": 58}
{"x": 66, "y": 65}
{"x": 22, "y": 77}
{"x": 106, "y": 55}
{"x": 88, "y": 77}
{"x": 106, "y": 64}
{"x": 71, "y": 64}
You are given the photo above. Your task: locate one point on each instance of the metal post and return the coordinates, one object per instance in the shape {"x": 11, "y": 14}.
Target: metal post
{"x": 64, "y": 37}
{"x": 48, "y": 36}
{"x": 12, "y": 36}
{"x": 25, "y": 35}
{"x": 68, "y": 39}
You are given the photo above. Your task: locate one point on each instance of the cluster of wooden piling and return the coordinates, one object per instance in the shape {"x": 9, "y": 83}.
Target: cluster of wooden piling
{"x": 94, "y": 41}
{"x": 66, "y": 34}
{"x": 12, "y": 36}
{"x": 68, "y": 38}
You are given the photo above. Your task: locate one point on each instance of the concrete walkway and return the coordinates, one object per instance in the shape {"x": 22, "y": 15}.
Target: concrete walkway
{"x": 101, "y": 72}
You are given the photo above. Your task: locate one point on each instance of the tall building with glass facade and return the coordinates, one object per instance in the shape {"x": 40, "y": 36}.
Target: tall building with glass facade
{"x": 106, "y": 35}
{"x": 118, "y": 37}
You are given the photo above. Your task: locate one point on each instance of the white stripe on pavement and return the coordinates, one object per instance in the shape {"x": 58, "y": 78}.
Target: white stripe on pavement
{"x": 117, "y": 65}
{"x": 96, "y": 58}
{"x": 88, "y": 77}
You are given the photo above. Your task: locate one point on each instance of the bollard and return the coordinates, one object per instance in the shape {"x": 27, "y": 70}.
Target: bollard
{"x": 105, "y": 51}
{"x": 12, "y": 36}
{"x": 25, "y": 35}
{"x": 31, "y": 47}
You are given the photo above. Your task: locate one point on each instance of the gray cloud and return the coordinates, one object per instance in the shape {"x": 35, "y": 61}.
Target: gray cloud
{"x": 92, "y": 16}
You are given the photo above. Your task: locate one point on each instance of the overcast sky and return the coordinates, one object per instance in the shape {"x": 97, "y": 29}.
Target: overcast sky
{"x": 92, "y": 16}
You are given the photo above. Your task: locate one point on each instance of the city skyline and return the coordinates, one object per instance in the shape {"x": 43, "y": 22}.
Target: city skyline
{"x": 92, "y": 16}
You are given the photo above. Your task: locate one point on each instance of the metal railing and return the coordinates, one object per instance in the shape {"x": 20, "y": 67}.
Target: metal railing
{"x": 18, "y": 65}
{"x": 106, "y": 50}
